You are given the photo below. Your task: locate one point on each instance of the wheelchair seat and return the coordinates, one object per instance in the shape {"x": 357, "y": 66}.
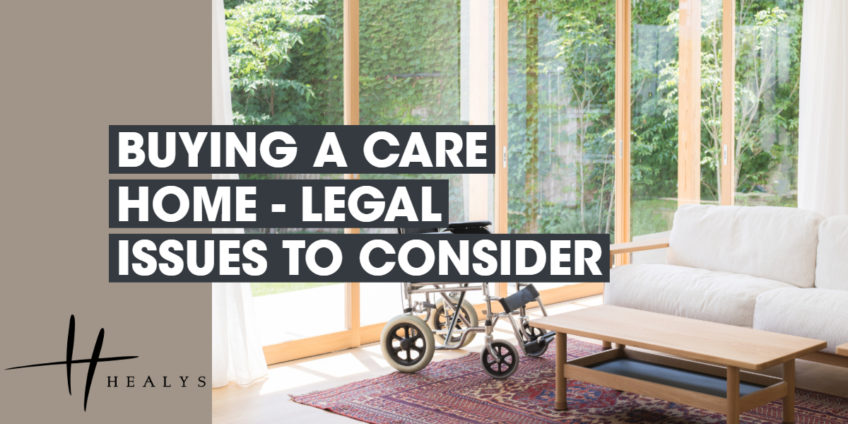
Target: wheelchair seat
{"x": 418, "y": 230}
{"x": 469, "y": 227}
{"x": 466, "y": 227}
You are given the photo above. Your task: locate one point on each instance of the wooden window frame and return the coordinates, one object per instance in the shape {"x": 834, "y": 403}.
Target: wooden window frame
{"x": 689, "y": 113}
{"x": 689, "y": 148}
{"x": 622, "y": 125}
{"x": 727, "y": 191}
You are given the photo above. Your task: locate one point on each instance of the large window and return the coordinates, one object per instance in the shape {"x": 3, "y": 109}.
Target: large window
{"x": 415, "y": 74}
{"x": 735, "y": 66}
{"x": 654, "y": 104}
{"x": 286, "y": 53}
{"x": 711, "y": 94}
{"x": 768, "y": 56}
{"x": 561, "y": 115}
{"x": 304, "y": 62}
{"x": 561, "y": 89}
{"x": 608, "y": 115}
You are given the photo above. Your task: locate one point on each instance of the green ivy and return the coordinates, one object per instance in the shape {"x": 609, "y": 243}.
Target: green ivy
{"x": 286, "y": 68}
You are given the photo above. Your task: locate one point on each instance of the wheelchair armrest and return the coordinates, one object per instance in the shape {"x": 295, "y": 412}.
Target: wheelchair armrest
{"x": 520, "y": 298}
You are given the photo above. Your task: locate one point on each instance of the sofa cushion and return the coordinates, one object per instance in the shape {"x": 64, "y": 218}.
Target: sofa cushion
{"x": 768, "y": 242}
{"x": 832, "y": 261}
{"x": 688, "y": 292}
{"x": 816, "y": 313}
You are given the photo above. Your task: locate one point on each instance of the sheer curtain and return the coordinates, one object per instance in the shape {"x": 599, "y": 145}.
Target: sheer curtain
{"x": 236, "y": 349}
{"x": 823, "y": 120}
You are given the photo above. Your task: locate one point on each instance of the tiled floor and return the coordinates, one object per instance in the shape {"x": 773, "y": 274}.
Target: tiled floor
{"x": 268, "y": 401}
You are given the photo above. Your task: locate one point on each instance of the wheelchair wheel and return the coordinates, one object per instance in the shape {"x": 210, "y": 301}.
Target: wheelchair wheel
{"x": 407, "y": 343}
{"x": 503, "y": 367}
{"x": 441, "y": 318}
{"x": 532, "y": 334}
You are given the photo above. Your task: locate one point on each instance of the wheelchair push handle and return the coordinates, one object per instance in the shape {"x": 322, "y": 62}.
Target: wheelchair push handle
{"x": 464, "y": 227}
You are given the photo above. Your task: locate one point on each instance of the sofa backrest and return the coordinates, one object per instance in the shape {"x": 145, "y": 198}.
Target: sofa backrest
{"x": 832, "y": 260}
{"x": 769, "y": 242}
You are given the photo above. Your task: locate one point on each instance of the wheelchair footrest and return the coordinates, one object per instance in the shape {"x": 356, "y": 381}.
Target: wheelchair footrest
{"x": 547, "y": 336}
{"x": 539, "y": 344}
{"x": 520, "y": 298}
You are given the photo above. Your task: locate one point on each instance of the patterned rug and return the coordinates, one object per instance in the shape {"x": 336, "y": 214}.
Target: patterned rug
{"x": 458, "y": 391}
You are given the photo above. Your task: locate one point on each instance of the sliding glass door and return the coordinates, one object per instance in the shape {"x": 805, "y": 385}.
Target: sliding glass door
{"x": 561, "y": 114}
{"x": 654, "y": 106}
{"x": 281, "y": 55}
{"x": 434, "y": 74}
{"x": 608, "y": 115}
{"x": 713, "y": 105}
{"x": 768, "y": 56}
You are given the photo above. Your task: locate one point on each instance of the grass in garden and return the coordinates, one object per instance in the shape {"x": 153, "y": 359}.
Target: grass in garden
{"x": 656, "y": 215}
{"x": 264, "y": 289}
{"x": 652, "y": 215}
{"x": 766, "y": 199}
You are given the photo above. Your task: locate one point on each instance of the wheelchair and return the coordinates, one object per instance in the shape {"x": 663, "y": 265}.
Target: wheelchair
{"x": 438, "y": 316}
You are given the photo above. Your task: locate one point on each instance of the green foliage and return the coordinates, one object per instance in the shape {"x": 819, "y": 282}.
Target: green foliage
{"x": 562, "y": 77}
{"x": 286, "y": 67}
{"x": 766, "y": 116}
{"x": 268, "y": 80}
{"x": 767, "y": 77}
{"x": 653, "y": 138}
{"x": 265, "y": 289}
{"x": 409, "y": 62}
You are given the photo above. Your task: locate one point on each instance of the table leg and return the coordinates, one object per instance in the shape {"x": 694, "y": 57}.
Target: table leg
{"x": 789, "y": 400}
{"x": 733, "y": 395}
{"x": 561, "y": 382}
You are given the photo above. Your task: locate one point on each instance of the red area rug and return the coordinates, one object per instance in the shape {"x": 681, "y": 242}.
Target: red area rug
{"x": 458, "y": 391}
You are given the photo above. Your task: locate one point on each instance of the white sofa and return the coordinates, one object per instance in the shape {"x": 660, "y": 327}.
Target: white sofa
{"x": 770, "y": 268}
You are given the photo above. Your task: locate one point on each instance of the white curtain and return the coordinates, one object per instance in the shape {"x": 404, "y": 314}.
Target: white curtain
{"x": 823, "y": 120}
{"x": 236, "y": 349}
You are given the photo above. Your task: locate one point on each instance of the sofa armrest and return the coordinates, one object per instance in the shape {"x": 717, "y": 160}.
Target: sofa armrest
{"x": 842, "y": 349}
{"x": 638, "y": 246}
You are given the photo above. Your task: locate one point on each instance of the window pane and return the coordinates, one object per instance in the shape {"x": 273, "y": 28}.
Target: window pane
{"x": 285, "y": 69}
{"x": 561, "y": 117}
{"x": 285, "y": 61}
{"x": 653, "y": 140}
{"x": 291, "y": 311}
{"x": 379, "y": 302}
{"x": 768, "y": 52}
{"x": 420, "y": 62}
{"x": 425, "y": 74}
{"x": 711, "y": 154}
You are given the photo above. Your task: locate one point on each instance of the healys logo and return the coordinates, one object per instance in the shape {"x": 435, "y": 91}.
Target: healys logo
{"x": 113, "y": 381}
{"x": 69, "y": 361}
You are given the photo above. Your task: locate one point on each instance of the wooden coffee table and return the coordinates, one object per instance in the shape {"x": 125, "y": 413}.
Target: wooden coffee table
{"x": 697, "y": 363}
{"x": 842, "y": 349}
